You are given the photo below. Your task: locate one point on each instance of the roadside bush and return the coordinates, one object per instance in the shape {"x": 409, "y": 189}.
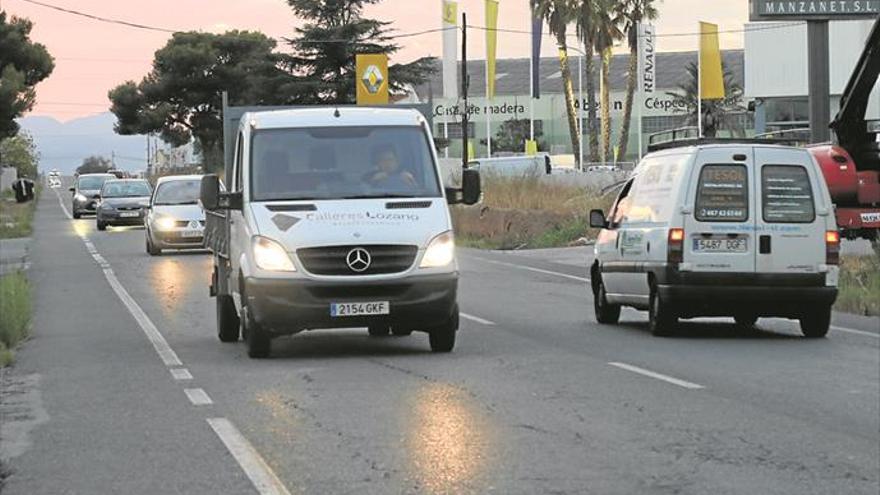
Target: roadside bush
{"x": 15, "y": 313}
{"x": 859, "y": 289}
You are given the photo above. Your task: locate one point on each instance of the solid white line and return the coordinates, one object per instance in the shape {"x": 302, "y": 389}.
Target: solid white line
{"x": 476, "y": 319}
{"x": 168, "y": 356}
{"x": 181, "y": 374}
{"x": 857, "y": 332}
{"x": 665, "y": 378}
{"x": 198, "y": 396}
{"x": 63, "y": 208}
{"x": 261, "y": 475}
{"x": 536, "y": 270}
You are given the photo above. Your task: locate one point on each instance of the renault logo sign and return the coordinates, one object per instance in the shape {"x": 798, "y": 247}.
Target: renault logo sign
{"x": 358, "y": 259}
{"x": 373, "y": 79}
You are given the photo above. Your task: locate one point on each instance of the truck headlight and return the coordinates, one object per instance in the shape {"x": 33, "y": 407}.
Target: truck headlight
{"x": 269, "y": 255}
{"x": 166, "y": 223}
{"x": 440, "y": 252}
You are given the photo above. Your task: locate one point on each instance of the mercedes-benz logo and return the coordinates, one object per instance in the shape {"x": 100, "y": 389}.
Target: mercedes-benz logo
{"x": 358, "y": 259}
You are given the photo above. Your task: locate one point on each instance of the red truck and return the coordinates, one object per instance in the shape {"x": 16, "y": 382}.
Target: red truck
{"x": 852, "y": 165}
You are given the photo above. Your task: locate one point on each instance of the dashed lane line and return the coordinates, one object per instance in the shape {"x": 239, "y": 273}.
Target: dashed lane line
{"x": 181, "y": 374}
{"x": 658, "y": 376}
{"x": 856, "y": 332}
{"x": 477, "y": 319}
{"x": 198, "y": 396}
{"x": 260, "y": 474}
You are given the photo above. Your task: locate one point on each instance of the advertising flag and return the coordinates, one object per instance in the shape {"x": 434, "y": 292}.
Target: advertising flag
{"x": 450, "y": 49}
{"x": 711, "y": 74}
{"x": 647, "y": 58}
{"x": 372, "y": 79}
{"x": 537, "y": 28}
{"x": 491, "y": 45}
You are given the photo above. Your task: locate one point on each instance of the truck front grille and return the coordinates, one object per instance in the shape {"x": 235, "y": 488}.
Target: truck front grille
{"x": 334, "y": 260}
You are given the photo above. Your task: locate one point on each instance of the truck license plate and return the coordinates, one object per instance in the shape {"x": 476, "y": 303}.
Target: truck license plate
{"x": 360, "y": 308}
{"x": 720, "y": 245}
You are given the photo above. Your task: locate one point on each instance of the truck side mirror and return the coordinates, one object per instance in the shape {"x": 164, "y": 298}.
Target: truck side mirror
{"x": 597, "y": 219}
{"x": 470, "y": 186}
{"x": 210, "y": 192}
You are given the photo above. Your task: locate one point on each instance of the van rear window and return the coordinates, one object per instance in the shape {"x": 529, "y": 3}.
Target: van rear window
{"x": 723, "y": 194}
{"x": 786, "y": 195}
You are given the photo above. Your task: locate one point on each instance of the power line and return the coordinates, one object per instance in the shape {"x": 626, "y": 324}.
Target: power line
{"x": 101, "y": 19}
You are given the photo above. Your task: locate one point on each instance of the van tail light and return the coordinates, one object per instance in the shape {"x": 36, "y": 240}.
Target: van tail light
{"x": 675, "y": 246}
{"x": 832, "y": 247}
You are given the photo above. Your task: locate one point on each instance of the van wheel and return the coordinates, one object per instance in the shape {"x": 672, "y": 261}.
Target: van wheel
{"x": 747, "y": 321}
{"x": 228, "y": 323}
{"x": 258, "y": 340}
{"x": 661, "y": 319}
{"x": 442, "y": 338}
{"x": 379, "y": 330}
{"x": 605, "y": 312}
{"x": 815, "y": 324}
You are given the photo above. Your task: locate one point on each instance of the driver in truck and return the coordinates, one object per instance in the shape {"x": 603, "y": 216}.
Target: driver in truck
{"x": 388, "y": 172}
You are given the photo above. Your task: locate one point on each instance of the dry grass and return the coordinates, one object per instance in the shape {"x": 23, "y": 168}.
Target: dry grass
{"x": 15, "y": 313}
{"x": 527, "y": 212}
{"x": 859, "y": 285}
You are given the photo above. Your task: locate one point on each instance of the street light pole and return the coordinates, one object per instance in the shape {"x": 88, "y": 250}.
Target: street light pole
{"x": 580, "y": 108}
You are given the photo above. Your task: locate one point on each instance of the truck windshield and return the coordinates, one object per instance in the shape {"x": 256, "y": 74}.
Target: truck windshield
{"x": 342, "y": 163}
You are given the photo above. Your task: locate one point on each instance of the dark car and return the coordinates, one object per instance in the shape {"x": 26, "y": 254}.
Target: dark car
{"x": 123, "y": 202}
{"x": 86, "y": 192}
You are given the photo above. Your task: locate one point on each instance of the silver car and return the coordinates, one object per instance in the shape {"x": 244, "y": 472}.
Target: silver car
{"x": 175, "y": 219}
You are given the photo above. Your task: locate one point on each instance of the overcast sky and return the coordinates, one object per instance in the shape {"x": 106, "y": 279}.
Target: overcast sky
{"x": 92, "y": 57}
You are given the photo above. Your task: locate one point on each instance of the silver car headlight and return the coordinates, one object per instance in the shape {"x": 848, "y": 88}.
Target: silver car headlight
{"x": 271, "y": 256}
{"x": 440, "y": 251}
{"x": 165, "y": 223}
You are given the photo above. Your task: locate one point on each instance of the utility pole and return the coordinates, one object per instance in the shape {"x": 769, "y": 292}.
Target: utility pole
{"x": 465, "y": 82}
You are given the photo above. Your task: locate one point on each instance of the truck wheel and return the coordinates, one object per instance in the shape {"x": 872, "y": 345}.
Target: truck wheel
{"x": 661, "y": 319}
{"x": 379, "y": 330}
{"x": 228, "y": 324}
{"x": 746, "y": 320}
{"x": 442, "y": 338}
{"x": 605, "y": 312}
{"x": 259, "y": 342}
{"x": 815, "y": 324}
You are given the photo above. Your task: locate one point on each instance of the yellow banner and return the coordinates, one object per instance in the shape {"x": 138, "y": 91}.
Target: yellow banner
{"x": 450, "y": 12}
{"x": 711, "y": 73}
{"x": 371, "y": 79}
{"x": 531, "y": 147}
{"x": 491, "y": 45}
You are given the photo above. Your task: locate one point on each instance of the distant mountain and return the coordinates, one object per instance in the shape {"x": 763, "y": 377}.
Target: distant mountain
{"x": 63, "y": 145}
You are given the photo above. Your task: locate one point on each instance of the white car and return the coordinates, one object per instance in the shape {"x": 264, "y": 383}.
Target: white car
{"x": 175, "y": 219}
{"x": 741, "y": 230}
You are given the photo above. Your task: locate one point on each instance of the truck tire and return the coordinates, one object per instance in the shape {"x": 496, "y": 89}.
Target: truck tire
{"x": 379, "y": 330}
{"x": 442, "y": 338}
{"x": 661, "y": 319}
{"x": 815, "y": 324}
{"x": 605, "y": 312}
{"x": 228, "y": 323}
{"x": 258, "y": 340}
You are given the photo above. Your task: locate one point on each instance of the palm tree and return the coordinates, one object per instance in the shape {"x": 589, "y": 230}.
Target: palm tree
{"x": 586, "y": 30}
{"x": 607, "y": 25}
{"x": 632, "y": 12}
{"x": 558, "y": 14}
{"x": 717, "y": 114}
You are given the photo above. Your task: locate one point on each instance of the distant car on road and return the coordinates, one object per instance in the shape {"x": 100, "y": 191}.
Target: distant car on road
{"x": 123, "y": 202}
{"x": 737, "y": 229}
{"x": 175, "y": 219}
{"x": 86, "y": 192}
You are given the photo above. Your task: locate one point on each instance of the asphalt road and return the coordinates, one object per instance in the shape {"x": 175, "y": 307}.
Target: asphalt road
{"x": 536, "y": 398}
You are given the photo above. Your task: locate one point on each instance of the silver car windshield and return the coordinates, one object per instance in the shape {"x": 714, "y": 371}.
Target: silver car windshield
{"x": 342, "y": 163}
{"x": 178, "y": 192}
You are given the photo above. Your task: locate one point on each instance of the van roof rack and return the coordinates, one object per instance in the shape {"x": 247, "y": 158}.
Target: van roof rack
{"x": 687, "y": 136}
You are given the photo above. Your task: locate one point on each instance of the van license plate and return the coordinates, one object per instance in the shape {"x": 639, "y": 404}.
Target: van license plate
{"x": 720, "y": 245}
{"x": 360, "y": 309}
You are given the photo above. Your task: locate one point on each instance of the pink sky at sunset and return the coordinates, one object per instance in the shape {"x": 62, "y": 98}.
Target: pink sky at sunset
{"x": 92, "y": 57}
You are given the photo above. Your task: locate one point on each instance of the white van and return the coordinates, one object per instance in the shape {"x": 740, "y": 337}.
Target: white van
{"x": 334, "y": 217}
{"x": 741, "y": 230}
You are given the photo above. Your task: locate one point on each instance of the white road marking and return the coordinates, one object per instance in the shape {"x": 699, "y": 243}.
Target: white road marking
{"x": 198, "y": 396}
{"x": 260, "y": 474}
{"x": 168, "y": 356}
{"x": 181, "y": 374}
{"x": 533, "y": 269}
{"x": 665, "y": 378}
{"x": 477, "y": 319}
{"x": 854, "y": 331}
{"x": 63, "y": 208}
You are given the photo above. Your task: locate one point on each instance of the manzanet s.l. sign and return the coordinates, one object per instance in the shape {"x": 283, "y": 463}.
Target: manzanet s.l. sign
{"x": 764, "y": 10}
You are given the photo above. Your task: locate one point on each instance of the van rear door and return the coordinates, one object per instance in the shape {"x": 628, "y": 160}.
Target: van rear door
{"x": 791, "y": 239}
{"x": 719, "y": 232}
